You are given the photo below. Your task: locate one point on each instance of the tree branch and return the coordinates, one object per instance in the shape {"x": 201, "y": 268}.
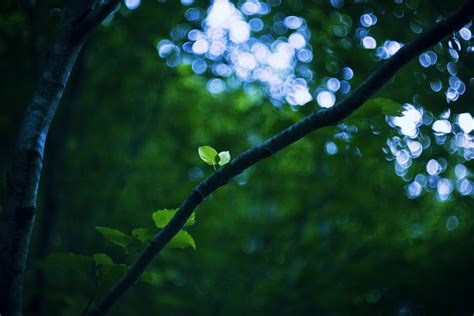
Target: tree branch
{"x": 93, "y": 16}
{"x": 319, "y": 119}
{"x": 24, "y": 175}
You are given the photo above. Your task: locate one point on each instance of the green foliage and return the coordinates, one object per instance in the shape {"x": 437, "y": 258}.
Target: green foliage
{"x": 142, "y": 234}
{"x": 115, "y": 236}
{"x": 191, "y": 220}
{"x": 389, "y": 107}
{"x": 111, "y": 273}
{"x": 376, "y": 108}
{"x": 162, "y": 217}
{"x": 224, "y": 158}
{"x": 101, "y": 259}
{"x": 182, "y": 240}
{"x": 209, "y": 155}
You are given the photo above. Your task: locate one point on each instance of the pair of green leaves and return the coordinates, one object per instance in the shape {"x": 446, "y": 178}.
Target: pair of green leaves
{"x": 161, "y": 218}
{"x": 209, "y": 155}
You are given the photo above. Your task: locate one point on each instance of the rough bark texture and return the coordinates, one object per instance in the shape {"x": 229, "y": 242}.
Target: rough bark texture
{"x": 24, "y": 174}
{"x": 319, "y": 119}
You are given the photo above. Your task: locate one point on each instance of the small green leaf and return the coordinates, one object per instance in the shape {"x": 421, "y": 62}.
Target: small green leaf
{"x": 70, "y": 261}
{"x": 224, "y": 158}
{"x": 208, "y": 154}
{"x": 142, "y": 234}
{"x": 101, "y": 259}
{"x": 390, "y": 107}
{"x": 182, "y": 240}
{"x": 376, "y": 107}
{"x": 162, "y": 217}
{"x": 115, "y": 236}
{"x": 191, "y": 220}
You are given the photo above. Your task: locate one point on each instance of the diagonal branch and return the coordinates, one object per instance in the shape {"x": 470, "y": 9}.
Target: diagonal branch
{"x": 93, "y": 15}
{"x": 318, "y": 119}
{"x": 24, "y": 175}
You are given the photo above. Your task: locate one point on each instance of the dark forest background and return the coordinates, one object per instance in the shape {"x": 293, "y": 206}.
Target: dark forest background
{"x": 306, "y": 232}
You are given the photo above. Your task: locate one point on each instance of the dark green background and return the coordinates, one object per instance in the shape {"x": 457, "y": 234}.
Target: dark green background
{"x": 302, "y": 233}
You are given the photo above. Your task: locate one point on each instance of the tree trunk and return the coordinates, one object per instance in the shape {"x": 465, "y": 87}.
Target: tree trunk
{"x": 52, "y": 180}
{"x": 24, "y": 175}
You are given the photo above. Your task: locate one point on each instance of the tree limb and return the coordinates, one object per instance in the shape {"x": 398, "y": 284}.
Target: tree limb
{"x": 318, "y": 119}
{"x": 24, "y": 175}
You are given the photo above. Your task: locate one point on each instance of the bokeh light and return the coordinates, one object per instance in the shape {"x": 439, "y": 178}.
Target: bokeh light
{"x": 232, "y": 44}
{"x": 245, "y": 45}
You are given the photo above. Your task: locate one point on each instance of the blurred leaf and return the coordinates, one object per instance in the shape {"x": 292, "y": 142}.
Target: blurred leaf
{"x": 224, "y": 158}
{"x": 112, "y": 272}
{"x": 142, "y": 234}
{"x": 208, "y": 154}
{"x": 115, "y": 236}
{"x": 151, "y": 277}
{"x": 101, "y": 259}
{"x": 182, "y": 240}
{"x": 389, "y": 107}
{"x": 376, "y": 107}
{"x": 70, "y": 261}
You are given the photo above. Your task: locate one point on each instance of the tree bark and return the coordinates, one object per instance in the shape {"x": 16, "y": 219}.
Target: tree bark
{"x": 317, "y": 120}
{"x": 24, "y": 174}
{"x": 52, "y": 181}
